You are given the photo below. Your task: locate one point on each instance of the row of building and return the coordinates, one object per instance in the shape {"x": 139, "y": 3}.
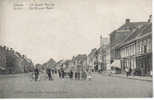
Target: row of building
{"x": 13, "y": 62}
{"x": 131, "y": 45}
{"x": 95, "y": 61}
{"x": 99, "y": 59}
{"x": 77, "y": 64}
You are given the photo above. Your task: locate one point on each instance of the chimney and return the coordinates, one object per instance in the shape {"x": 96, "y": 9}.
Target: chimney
{"x": 127, "y": 20}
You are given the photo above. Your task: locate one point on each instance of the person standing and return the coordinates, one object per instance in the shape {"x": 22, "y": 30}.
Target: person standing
{"x": 82, "y": 75}
{"x": 76, "y": 75}
{"x": 62, "y": 72}
{"x": 89, "y": 75}
{"x": 142, "y": 71}
{"x": 71, "y": 74}
{"x": 130, "y": 71}
{"x": 59, "y": 72}
{"x": 127, "y": 71}
{"x": 36, "y": 71}
{"x": 49, "y": 74}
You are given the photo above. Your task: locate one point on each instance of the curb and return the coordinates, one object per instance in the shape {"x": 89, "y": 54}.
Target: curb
{"x": 132, "y": 78}
{"x": 128, "y": 78}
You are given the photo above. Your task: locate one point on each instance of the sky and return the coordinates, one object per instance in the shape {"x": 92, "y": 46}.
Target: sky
{"x": 72, "y": 27}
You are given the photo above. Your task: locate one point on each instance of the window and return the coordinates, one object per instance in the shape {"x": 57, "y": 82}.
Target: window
{"x": 140, "y": 47}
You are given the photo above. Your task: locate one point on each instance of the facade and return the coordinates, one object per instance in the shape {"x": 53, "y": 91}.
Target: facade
{"x": 103, "y": 53}
{"x": 107, "y": 57}
{"x": 80, "y": 62}
{"x": 135, "y": 50}
{"x": 98, "y": 59}
{"x": 137, "y": 53}
{"x": 13, "y": 62}
{"x": 92, "y": 62}
{"x": 119, "y": 35}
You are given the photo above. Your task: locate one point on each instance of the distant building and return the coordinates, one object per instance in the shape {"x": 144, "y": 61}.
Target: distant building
{"x": 97, "y": 59}
{"x": 59, "y": 64}
{"x": 104, "y": 41}
{"x": 13, "y": 62}
{"x": 2, "y": 59}
{"x": 92, "y": 62}
{"x": 80, "y": 62}
{"x": 103, "y": 53}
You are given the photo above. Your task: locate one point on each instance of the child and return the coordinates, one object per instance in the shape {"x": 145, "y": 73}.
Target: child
{"x": 89, "y": 76}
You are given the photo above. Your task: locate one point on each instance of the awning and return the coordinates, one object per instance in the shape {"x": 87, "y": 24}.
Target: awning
{"x": 116, "y": 64}
{"x": 2, "y": 68}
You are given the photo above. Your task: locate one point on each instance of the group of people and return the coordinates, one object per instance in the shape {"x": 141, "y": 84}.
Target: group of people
{"x": 82, "y": 75}
{"x": 36, "y": 74}
{"x": 61, "y": 73}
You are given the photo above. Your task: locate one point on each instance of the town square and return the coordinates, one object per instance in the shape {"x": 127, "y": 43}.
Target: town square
{"x": 76, "y": 49}
{"x": 100, "y": 86}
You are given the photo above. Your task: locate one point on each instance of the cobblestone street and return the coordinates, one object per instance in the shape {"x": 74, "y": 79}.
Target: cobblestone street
{"x": 22, "y": 86}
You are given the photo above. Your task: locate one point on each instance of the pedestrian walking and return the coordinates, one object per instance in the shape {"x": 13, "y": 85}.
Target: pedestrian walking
{"x": 49, "y": 73}
{"x": 62, "y": 73}
{"x": 59, "y": 72}
{"x": 142, "y": 71}
{"x": 130, "y": 71}
{"x": 127, "y": 71}
{"x": 76, "y": 75}
{"x": 71, "y": 74}
{"x": 36, "y": 72}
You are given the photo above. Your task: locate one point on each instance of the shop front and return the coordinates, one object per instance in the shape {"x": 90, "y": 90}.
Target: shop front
{"x": 129, "y": 62}
{"x": 144, "y": 64}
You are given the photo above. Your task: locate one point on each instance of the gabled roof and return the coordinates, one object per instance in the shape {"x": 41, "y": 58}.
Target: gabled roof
{"x": 146, "y": 28}
{"x": 134, "y": 27}
{"x": 124, "y": 31}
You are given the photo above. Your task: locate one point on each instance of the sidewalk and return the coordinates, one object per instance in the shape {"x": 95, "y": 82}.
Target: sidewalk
{"x": 142, "y": 78}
